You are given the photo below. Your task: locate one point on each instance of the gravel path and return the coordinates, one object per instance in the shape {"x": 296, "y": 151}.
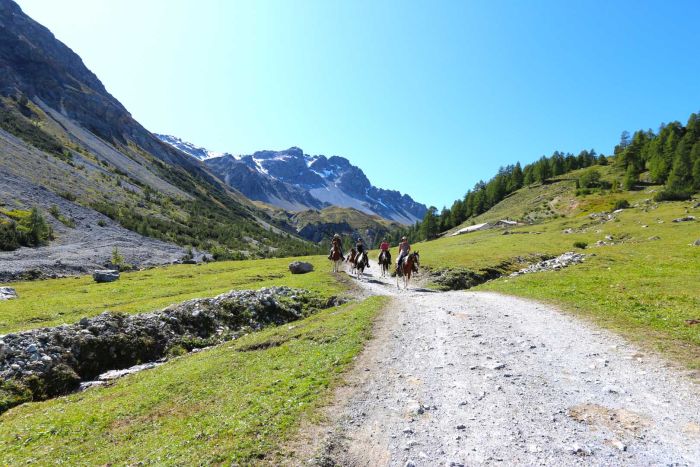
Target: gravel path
{"x": 464, "y": 378}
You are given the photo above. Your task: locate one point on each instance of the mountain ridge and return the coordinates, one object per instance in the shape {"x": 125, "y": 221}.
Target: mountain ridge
{"x": 294, "y": 180}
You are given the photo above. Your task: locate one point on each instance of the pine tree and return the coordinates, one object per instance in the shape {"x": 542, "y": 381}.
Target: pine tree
{"x": 631, "y": 178}
{"x": 429, "y": 228}
{"x": 695, "y": 157}
{"x": 680, "y": 179}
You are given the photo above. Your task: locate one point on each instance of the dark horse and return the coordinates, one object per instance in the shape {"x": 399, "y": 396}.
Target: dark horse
{"x": 361, "y": 262}
{"x": 336, "y": 258}
{"x": 384, "y": 262}
{"x": 409, "y": 266}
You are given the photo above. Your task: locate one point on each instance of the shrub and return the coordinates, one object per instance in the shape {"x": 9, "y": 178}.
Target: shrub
{"x": 9, "y": 238}
{"x": 39, "y": 232}
{"x": 673, "y": 195}
{"x": 102, "y": 223}
{"x": 67, "y": 195}
{"x": 589, "y": 179}
{"x": 621, "y": 204}
{"x": 581, "y": 245}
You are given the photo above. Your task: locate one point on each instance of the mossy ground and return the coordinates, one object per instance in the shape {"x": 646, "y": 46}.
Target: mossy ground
{"x": 57, "y": 301}
{"x": 235, "y": 403}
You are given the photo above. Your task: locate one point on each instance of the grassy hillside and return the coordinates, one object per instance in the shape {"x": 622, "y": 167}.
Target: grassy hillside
{"x": 642, "y": 283}
{"x": 236, "y": 403}
{"x": 57, "y": 301}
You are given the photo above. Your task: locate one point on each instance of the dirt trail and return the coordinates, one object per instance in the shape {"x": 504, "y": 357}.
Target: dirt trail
{"x": 464, "y": 378}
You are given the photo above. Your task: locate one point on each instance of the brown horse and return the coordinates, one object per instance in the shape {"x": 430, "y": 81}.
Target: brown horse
{"x": 336, "y": 258}
{"x": 384, "y": 262}
{"x": 409, "y": 266}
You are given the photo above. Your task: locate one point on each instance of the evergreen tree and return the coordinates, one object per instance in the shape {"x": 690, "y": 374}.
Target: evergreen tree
{"x": 516, "y": 178}
{"x": 680, "y": 179}
{"x": 631, "y": 178}
{"x": 542, "y": 170}
{"x": 695, "y": 157}
{"x": 429, "y": 228}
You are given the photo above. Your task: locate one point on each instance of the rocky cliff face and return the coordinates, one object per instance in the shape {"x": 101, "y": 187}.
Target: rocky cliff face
{"x": 296, "y": 181}
{"x": 62, "y": 133}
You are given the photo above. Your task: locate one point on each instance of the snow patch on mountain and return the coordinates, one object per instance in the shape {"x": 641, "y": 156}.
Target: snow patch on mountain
{"x": 296, "y": 181}
{"x": 190, "y": 149}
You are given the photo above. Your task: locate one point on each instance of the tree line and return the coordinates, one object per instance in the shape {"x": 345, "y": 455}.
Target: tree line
{"x": 670, "y": 156}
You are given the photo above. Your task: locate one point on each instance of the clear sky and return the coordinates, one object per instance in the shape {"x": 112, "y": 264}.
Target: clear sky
{"x": 426, "y": 97}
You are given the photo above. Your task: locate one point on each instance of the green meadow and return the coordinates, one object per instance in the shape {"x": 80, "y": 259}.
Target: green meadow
{"x": 237, "y": 403}
{"x": 57, "y": 301}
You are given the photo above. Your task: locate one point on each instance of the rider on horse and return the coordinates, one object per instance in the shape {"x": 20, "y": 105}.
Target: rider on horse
{"x": 384, "y": 249}
{"x": 336, "y": 243}
{"x": 360, "y": 246}
{"x": 404, "y": 249}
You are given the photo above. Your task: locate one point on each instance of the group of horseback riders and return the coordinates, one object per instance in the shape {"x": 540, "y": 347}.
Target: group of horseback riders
{"x": 360, "y": 250}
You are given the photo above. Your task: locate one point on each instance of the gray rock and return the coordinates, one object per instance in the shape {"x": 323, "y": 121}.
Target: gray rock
{"x": 300, "y": 267}
{"x": 105, "y": 275}
{"x": 7, "y": 293}
{"x": 696, "y": 242}
{"x": 684, "y": 219}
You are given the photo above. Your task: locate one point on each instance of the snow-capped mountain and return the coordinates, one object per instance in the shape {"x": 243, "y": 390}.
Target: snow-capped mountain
{"x": 189, "y": 148}
{"x": 296, "y": 181}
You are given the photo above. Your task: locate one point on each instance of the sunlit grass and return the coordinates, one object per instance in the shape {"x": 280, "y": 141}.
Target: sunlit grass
{"x": 223, "y": 405}
{"x": 57, "y": 301}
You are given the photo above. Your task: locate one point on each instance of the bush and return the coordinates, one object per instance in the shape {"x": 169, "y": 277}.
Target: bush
{"x": 621, "y": 204}
{"x": 673, "y": 195}
{"x": 589, "y": 179}
{"x": 581, "y": 245}
{"x": 9, "y": 238}
{"x": 67, "y": 195}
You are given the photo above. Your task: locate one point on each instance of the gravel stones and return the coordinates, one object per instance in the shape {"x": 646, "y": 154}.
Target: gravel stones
{"x": 59, "y": 358}
{"x": 300, "y": 267}
{"x": 105, "y": 275}
{"x": 560, "y": 262}
{"x": 7, "y": 293}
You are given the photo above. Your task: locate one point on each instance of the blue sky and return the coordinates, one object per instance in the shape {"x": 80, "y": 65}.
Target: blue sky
{"x": 426, "y": 97}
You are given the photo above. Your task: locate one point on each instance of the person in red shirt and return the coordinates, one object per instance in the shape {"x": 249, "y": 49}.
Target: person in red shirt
{"x": 384, "y": 250}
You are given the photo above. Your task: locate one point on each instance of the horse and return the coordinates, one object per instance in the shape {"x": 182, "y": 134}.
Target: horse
{"x": 361, "y": 262}
{"x": 352, "y": 257}
{"x": 384, "y": 262}
{"x": 410, "y": 265}
{"x": 336, "y": 258}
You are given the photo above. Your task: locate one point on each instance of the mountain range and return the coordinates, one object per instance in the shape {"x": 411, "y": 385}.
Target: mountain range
{"x": 104, "y": 182}
{"x": 293, "y": 180}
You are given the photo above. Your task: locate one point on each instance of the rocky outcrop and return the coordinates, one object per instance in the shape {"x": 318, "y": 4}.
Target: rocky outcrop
{"x": 300, "y": 267}
{"x": 47, "y": 362}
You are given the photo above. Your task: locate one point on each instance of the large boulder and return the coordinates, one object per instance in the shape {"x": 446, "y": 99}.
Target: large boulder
{"x": 7, "y": 293}
{"x": 105, "y": 275}
{"x": 300, "y": 267}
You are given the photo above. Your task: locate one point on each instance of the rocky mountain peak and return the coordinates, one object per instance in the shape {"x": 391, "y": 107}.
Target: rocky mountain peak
{"x": 297, "y": 181}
